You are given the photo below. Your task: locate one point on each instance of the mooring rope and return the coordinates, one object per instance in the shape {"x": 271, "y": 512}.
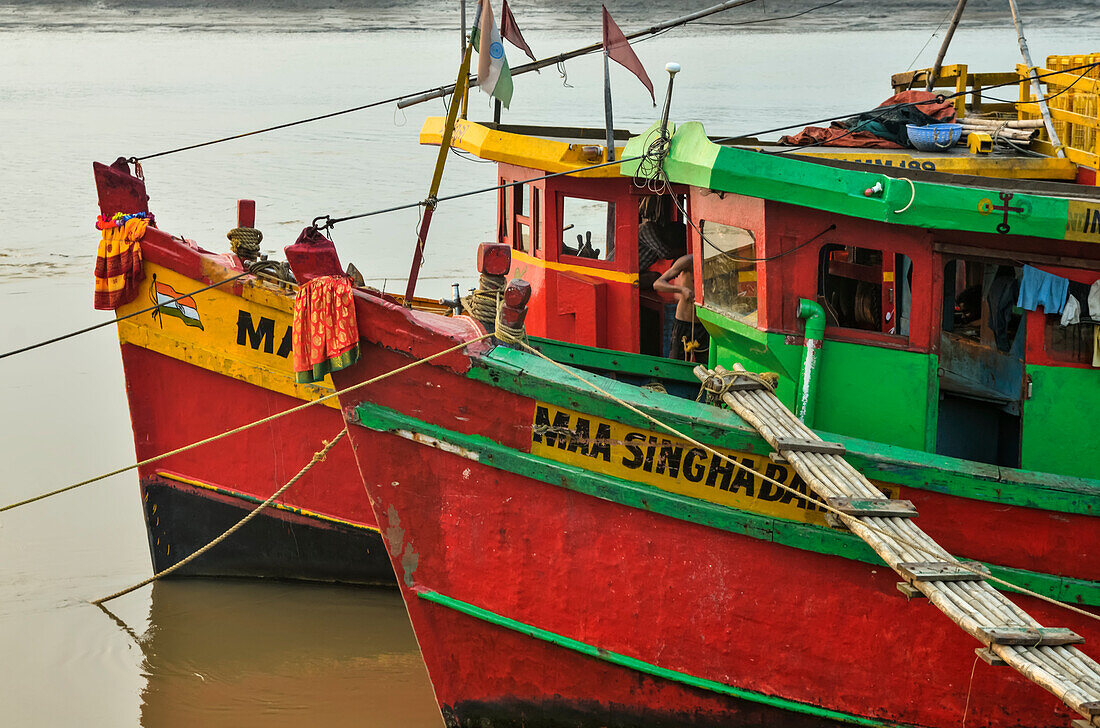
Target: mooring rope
{"x": 242, "y": 428}
{"x": 920, "y": 548}
{"x": 317, "y": 457}
{"x": 115, "y": 320}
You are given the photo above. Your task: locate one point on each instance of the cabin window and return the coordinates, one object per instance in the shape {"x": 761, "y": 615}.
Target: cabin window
{"x": 729, "y": 270}
{"x": 979, "y": 302}
{"x": 588, "y": 228}
{"x": 526, "y": 218}
{"x": 863, "y": 288}
{"x": 1072, "y": 344}
{"x": 537, "y": 210}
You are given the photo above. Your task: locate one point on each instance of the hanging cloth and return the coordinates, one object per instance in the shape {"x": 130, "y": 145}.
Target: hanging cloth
{"x": 1039, "y": 288}
{"x": 1096, "y": 345}
{"x": 326, "y": 338}
{"x": 1071, "y": 314}
{"x": 118, "y": 269}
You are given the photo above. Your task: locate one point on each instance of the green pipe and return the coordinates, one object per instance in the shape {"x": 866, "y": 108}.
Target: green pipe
{"x": 815, "y": 333}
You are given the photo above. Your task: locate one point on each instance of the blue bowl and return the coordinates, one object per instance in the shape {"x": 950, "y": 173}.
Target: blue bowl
{"x": 934, "y": 137}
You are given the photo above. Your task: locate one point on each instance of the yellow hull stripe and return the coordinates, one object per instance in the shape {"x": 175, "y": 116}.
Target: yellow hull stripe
{"x": 610, "y": 275}
{"x": 279, "y": 506}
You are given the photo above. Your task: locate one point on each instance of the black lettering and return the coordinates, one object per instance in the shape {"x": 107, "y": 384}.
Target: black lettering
{"x": 770, "y": 491}
{"x": 556, "y": 434}
{"x": 649, "y": 453}
{"x": 929, "y": 166}
{"x": 670, "y": 456}
{"x": 799, "y": 485}
{"x": 719, "y": 466}
{"x": 1095, "y": 221}
{"x": 601, "y": 446}
{"x": 636, "y": 452}
{"x": 578, "y": 439}
{"x": 287, "y": 343}
{"x": 693, "y": 470}
{"x": 262, "y": 334}
{"x": 744, "y": 479}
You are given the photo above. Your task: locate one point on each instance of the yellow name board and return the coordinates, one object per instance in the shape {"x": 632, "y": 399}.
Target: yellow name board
{"x": 1083, "y": 221}
{"x": 246, "y": 337}
{"x": 672, "y": 464}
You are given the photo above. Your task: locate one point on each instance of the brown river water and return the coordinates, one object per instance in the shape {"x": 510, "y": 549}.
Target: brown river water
{"x": 84, "y": 82}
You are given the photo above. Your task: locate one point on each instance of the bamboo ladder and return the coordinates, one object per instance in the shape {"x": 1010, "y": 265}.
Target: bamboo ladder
{"x": 1010, "y": 635}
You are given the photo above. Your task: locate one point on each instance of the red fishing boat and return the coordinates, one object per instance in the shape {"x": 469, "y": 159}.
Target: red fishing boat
{"x": 583, "y": 550}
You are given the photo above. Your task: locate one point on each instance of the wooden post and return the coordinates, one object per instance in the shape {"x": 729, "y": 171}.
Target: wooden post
{"x": 437, "y": 177}
{"x": 1058, "y": 150}
{"x": 946, "y": 42}
{"x": 608, "y": 121}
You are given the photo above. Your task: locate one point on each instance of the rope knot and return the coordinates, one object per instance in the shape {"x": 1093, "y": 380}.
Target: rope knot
{"x": 245, "y": 242}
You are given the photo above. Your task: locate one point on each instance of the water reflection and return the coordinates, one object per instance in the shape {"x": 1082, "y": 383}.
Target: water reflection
{"x": 222, "y": 652}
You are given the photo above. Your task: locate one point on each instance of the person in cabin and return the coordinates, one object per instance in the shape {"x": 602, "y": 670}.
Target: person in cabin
{"x": 690, "y": 341}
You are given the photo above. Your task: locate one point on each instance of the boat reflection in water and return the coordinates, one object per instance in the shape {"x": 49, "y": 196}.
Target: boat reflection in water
{"x": 237, "y": 653}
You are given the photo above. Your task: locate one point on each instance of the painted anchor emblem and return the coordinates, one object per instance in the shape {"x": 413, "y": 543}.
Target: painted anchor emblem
{"x": 986, "y": 206}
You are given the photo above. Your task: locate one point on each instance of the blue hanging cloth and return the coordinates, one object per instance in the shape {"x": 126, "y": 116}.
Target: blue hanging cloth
{"x": 1039, "y": 288}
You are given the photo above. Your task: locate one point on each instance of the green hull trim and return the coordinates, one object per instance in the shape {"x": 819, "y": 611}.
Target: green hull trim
{"x": 639, "y": 365}
{"x": 636, "y": 495}
{"x": 641, "y": 666}
{"x": 694, "y": 160}
{"x": 530, "y": 376}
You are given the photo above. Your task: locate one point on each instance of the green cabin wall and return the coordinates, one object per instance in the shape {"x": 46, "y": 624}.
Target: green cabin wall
{"x": 869, "y": 392}
{"x": 1060, "y": 429}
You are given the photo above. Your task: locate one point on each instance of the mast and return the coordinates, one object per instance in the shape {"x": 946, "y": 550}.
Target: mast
{"x": 607, "y": 108}
{"x": 1058, "y": 150}
{"x": 946, "y": 42}
{"x": 444, "y": 149}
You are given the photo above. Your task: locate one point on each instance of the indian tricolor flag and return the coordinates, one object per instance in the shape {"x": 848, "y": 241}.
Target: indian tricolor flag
{"x": 493, "y": 75}
{"x": 170, "y": 303}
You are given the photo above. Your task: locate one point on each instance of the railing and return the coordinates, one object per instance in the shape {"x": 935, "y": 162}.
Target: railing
{"x": 1073, "y": 100}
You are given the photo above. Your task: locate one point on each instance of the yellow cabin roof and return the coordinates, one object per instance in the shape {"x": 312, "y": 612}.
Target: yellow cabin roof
{"x": 558, "y": 154}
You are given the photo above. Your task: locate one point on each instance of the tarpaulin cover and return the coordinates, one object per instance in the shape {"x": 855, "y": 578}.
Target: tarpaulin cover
{"x": 883, "y": 129}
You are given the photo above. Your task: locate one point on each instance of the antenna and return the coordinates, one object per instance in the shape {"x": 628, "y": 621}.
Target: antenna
{"x": 672, "y": 68}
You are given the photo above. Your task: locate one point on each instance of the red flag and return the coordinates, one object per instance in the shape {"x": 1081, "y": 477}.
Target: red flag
{"x": 510, "y": 31}
{"x": 619, "y": 50}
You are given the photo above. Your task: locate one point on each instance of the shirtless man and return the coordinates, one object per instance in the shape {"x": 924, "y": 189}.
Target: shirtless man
{"x": 685, "y": 330}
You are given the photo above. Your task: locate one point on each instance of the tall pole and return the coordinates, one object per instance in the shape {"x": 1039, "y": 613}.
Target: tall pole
{"x": 608, "y": 121}
{"x": 946, "y": 42}
{"x": 1058, "y": 151}
{"x": 440, "y": 161}
{"x": 462, "y": 40}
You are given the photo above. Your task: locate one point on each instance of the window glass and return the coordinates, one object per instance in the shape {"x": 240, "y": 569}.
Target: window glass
{"x": 860, "y": 288}
{"x": 588, "y": 228}
{"x": 1071, "y": 343}
{"x": 536, "y": 213}
{"x": 729, "y": 271}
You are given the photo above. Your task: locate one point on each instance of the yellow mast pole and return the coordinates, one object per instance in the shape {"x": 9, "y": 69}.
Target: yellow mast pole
{"x": 444, "y": 149}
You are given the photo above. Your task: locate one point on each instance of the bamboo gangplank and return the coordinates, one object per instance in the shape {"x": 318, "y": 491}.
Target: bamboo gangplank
{"x": 1049, "y": 660}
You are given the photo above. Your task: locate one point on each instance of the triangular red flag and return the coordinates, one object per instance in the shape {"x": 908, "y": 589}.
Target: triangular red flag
{"x": 510, "y": 30}
{"x": 619, "y": 50}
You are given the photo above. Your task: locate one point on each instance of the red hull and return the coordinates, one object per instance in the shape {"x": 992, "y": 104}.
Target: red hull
{"x": 818, "y": 634}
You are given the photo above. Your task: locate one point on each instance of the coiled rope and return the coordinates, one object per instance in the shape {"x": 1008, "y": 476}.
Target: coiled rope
{"x": 245, "y": 242}
{"x": 242, "y": 428}
{"x": 317, "y": 457}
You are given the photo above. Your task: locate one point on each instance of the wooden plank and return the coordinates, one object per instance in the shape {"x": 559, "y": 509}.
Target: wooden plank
{"x": 792, "y": 444}
{"x": 880, "y": 507}
{"x": 1093, "y": 708}
{"x": 939, "y": 571}
{"x": 989, "y": 656}
{"x": 1032, "y": 636}
{"x": 910, "y": 591}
